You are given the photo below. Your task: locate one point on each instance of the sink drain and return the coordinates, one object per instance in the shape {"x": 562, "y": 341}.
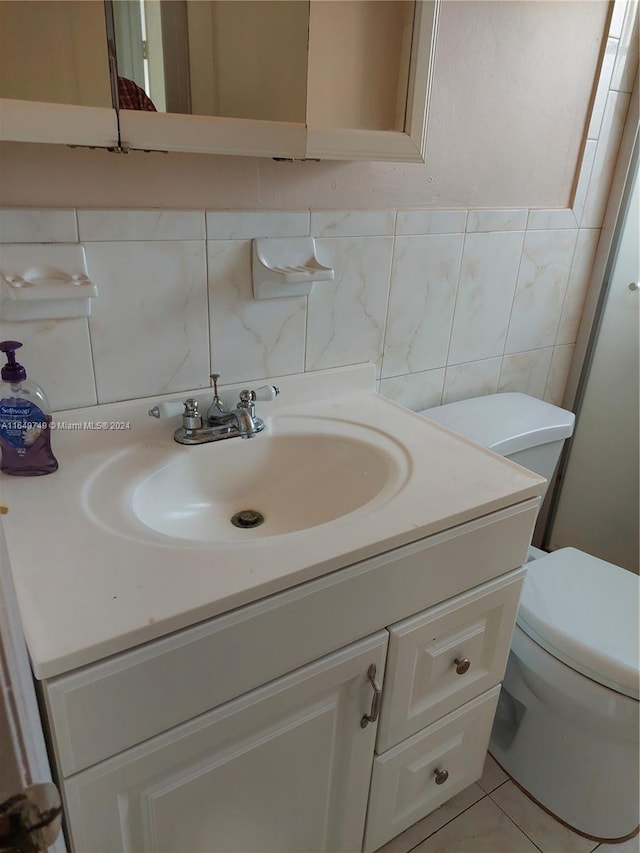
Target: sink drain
{"x": 247, "y": 519}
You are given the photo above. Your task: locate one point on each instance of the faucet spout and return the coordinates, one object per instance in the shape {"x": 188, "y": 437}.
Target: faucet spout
{"x": 248, "y": 426}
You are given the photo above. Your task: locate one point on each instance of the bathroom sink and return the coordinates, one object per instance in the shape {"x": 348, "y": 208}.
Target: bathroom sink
{"x": 297, "y": 474}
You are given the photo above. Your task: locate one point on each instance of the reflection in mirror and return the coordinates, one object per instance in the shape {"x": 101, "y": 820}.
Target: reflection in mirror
{"x": 54, "y": 51}
{"x": 216, "y": 57}
{"x": 359, "y": 56}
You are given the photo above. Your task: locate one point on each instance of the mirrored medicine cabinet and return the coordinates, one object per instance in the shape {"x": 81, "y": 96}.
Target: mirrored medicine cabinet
{"x": 326, "y": 79}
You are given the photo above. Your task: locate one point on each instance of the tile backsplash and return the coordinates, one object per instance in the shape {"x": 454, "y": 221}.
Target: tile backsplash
{"x": 446, "y": 303}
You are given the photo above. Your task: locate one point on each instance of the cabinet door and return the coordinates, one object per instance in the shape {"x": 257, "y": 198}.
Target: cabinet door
{"x": 350, "y": 67}
{"x": 284, "y": 768}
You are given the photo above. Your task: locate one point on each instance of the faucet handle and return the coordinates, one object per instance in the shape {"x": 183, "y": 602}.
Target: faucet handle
{"x": 167, "y": 409}
{"x": 191, "y": 417}
{"x": 248, "y": 397}
{"x": 264, "y": 392}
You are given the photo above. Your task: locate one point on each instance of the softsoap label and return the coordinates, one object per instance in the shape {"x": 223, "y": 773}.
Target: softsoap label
{"x": 21, "y": 423}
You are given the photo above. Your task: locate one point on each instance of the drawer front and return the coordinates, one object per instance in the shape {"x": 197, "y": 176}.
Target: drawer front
{"x": 403, "y": 785}
{"x": 100, "y": 710}
{"x": 442, "y": 658}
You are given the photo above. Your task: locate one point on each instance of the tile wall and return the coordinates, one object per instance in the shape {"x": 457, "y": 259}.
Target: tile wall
{"x": 446, "y": 303}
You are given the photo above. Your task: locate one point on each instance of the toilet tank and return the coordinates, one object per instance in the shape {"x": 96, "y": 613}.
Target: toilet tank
{"x": 522, "y": 428}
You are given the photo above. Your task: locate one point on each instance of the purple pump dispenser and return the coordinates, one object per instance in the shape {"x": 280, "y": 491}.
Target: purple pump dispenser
{"x": 25, "y": 421}
{"x": 12, "y": 371}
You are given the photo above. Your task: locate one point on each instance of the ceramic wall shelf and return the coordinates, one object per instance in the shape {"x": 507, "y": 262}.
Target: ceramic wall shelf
{"x": 286, "y": 266}
{"x": 44, "y": 281}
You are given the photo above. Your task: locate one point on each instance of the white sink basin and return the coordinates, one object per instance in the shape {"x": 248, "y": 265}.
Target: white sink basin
{"x": 297, "y": 474}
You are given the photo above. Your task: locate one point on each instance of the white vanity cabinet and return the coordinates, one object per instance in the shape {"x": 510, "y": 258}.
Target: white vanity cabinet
{"x": 244, "y": 732}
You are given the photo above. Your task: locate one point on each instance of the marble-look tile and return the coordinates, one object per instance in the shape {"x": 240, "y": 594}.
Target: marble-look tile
{"x": 483, "y": 828}
{"x": 540, "y": 290}
{"x": 497, "y": 220}
{"x": 602, "y": 90}
{"x": 485, "y": 295}
{"x": 352, "y": 223}
{"x": 547, "y": 220}
{"x": 558, "y": 374}
{"x": 605, "y": 159}
{"x": 346, "y": 317}
{"x": 586, "y": 168}
{"x": 149, "y": 329}
{"x": 416, "y": 391}
{"x": 424, "y": 277}
{"x": 57, "y": 356}
{"x": 22, "y": 225}
{"x": 431, "y": 221}
{"x": 250, "y": 339}
{"x": 548, "y": 834}
{"x": 247, "y": 224}
{"x": 579, "y": 278}
{"x": 626, "y": 64}
{"x": 475, "y": 379}
{"x": 112, "y": 225}
{"x": 492, "y": 775}
{"x": 408, "y": 839}
{"x": 526, "y": 372}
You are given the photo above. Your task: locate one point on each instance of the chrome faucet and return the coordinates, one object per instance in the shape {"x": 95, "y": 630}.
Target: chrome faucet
{"x": 221, "y": 422}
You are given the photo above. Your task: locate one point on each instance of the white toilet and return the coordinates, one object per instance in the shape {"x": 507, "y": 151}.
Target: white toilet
{"x": 566, "y": 728}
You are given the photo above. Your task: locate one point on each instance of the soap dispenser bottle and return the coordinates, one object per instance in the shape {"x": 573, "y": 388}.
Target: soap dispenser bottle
{"x": 25, "y": 421}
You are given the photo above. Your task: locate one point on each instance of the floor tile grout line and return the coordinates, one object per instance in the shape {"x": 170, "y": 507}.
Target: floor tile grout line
{"x": 495, "y": 788}
{"x": 516, "y": 824}
{"x": 455, "y": 817}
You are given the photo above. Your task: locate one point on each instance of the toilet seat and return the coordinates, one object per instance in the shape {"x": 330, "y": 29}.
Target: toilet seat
{"x": 584, "y": 611}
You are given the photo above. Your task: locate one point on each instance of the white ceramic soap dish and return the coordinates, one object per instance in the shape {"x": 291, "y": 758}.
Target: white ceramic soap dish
{"x": 44, "y": 281}
{"x": 286, "y": 266}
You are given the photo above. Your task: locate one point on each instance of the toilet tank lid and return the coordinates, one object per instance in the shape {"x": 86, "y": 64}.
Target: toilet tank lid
{"x": 505, "y": 423}
{"x": 584, "y": 611}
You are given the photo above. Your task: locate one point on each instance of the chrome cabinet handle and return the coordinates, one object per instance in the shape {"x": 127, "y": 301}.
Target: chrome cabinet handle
{"x": 462, "y": 665}
{"x": 372, "y": 716}
{"x": 441, "y": 776}
{"x": 634, "y": 286}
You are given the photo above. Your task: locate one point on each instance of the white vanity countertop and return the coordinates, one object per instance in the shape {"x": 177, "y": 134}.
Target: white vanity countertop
{"x": 86, "y": 592}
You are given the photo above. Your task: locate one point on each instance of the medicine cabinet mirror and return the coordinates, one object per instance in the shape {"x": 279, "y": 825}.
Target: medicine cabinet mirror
{"x": 346, "y": 79}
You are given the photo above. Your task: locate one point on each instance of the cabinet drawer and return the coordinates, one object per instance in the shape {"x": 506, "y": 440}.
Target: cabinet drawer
{"x": 403, "y": 784}
{"x": 422, "y": 674}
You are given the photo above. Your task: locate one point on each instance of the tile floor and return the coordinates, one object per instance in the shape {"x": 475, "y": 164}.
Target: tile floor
{"x": 494, "y": 816}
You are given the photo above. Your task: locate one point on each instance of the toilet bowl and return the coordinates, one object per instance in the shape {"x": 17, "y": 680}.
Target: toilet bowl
{"x": 566, "y": 728}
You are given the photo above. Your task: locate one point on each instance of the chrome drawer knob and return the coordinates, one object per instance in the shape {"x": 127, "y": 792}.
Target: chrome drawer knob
{"x": 462, "y": 665}
{"x": 441, "y": 776}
